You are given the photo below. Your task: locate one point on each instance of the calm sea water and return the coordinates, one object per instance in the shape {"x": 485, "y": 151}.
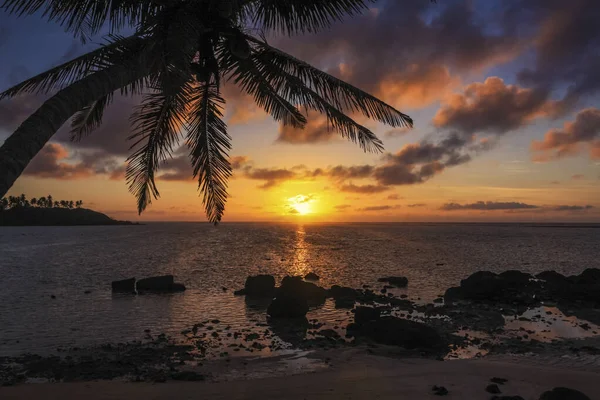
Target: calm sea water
{"x": 38, "y": 262}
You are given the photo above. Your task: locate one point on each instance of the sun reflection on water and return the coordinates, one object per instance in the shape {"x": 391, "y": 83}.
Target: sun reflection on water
{"x": 299, "y": 265}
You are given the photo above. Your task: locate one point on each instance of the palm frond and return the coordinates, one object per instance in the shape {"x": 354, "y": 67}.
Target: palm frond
{"x": 245, "y": 74}
{"x": 85, "y": 18}
{"x": 209, "y": 146}
{"x": 117, "y": 50}
{"x": 294, "y": 89}
{"x": 301, "y": 16}
{"x": 156, "y": 124}
{"x": 90, "y": 118}
{"x": 336, "y": 92}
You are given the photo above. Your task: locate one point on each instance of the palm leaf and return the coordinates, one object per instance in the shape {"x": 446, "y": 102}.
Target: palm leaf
{"x": 90, "y": 118}
{"x": 116, "y": 51}
{"x": 338, "y": 93}
{"x": 86, "y": 17}
{"x": 245, "y": 74}
{"x": 301, "y": 16}
{"x": 209, "y": 146}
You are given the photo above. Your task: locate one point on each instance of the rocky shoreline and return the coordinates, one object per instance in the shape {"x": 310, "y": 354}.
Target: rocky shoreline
{"x": 488, "y": 314}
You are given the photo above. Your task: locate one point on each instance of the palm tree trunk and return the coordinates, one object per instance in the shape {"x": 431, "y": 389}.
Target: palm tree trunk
{"x": 33, "y": 134}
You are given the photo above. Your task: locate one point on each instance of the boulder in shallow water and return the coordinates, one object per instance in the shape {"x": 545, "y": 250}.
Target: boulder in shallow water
{"x": 342, "y": 292}
{"x": 398, "y": 281}
{"x": 294, "y": 286}
{"x": 161, "y": 284}
{"x": 283, "y": 307}
{"x": 552, "y": 278}
{"x": 260, "y": 286}
{"x": 364, "y": 315}
{"x": 562, "y": 393}
{"x": 124, "y": 286}
{"x": 589, "y": 276}
{"x": 311, "y": 276}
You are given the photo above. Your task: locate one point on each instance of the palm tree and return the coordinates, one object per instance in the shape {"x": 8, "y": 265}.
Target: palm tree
{"x": 177, "y": 58}
{"x": 56, "y": 204}
{"x": 49, "y": 200}
{"x": 71, "y": 204}
{"x": 78, "y": 203}
{"x": 33, "y": 201}
{"x": 3, "y": 204}
{"x": 41, "y": 202}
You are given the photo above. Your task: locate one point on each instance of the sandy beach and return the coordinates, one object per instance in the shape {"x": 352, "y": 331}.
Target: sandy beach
{"x": 349, "y": 376}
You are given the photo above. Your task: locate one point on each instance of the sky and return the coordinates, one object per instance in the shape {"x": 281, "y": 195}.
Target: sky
{"x": 504, "y": 95}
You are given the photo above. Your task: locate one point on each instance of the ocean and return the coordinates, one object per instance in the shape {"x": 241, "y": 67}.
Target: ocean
{"x": 37, "y": 263}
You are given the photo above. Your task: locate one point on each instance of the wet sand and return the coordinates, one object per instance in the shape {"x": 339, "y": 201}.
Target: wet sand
{"x": 349, "y": 376}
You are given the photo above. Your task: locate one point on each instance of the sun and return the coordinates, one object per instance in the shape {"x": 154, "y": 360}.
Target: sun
{"x": 301, "y": 204}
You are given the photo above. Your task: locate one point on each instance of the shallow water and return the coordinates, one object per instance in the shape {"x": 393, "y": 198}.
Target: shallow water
{"x": 37, "y": 262}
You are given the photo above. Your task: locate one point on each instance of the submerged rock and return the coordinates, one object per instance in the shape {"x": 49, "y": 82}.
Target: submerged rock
{"x": 398, "y": 281}
{"x": 162, "y": 284}
{"x": 124, "y": 286}
{"x": 294, "y": 286}
{"x": 259, "y": 286}
{"x": 311, "y": 276}
{"x": 284, "y": 306}
{"x": 562, "y": 393}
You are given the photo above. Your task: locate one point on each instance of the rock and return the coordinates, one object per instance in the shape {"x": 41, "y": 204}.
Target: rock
{"x": 241, "y": 292}
{"x": 509, "y": 287}
{"x": 124, "y": 286}
{"x": 589, "y": 276}
{"x": 161, "y": 284}
{"x": 440, "y": 391}
{"x": 344, "y": 302}
{"x": 493, "y": 389}
{"x": 189, "y": 376}
{"x": 329, "y": 333}
{"x": 311, "y": 276}
{"x": 552, "y": 277}
{"x": 284, "y": 306}
{"x": 87, "y": 291}
{"x": 364, "y": 315}
{"x": 562, "y": 393}
{"x": 260, "y": 286}
{"x": 400, "y": 332}
{"x": 294, "y": 286}
{"x": 338, "y": 292}
{"x": 398, "y": 281}
{"x": 500, "y": 381}
{"x": 515, "y": 277}
{"x": 439, "y": 300}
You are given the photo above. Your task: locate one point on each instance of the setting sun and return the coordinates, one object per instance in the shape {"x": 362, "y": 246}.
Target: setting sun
{"x": 301, "y": 205}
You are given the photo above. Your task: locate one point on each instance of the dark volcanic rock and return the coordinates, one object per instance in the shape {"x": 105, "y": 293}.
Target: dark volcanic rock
{"x": 260, "y": 286}
{"x": 364, "y": 315}
{"x": 561, "y": 393}
{"x": 339, "y": 292}
{"x": 124, "y": 286}
{"x": 552, "y": 277}
{"x": 510, "y": 287}
{"x": 311, "y": 276}
{"x": 161, "y": 284}
{"x": 401, "y": 332}
{"x": 398, "y": 281}
{"x": 440, "y": 391}
{"x": 589, "y": 276}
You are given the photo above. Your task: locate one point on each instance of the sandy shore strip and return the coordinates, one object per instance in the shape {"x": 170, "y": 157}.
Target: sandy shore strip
{"x": 350, "y": 377}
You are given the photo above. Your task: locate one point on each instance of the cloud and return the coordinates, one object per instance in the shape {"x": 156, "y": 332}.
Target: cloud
{"x": 567, "y": 45}
{"x": 342, "y": 207}
{"x": 54, "y": 161}
{"x": 577, "y": 177}
{"x": 487, "y": 206}
{"x": 363, "y": 189}
{"x": 342, "y": 173}
{"x": 317, "y": 130}
{"x": 238, "y": 162}
{"x": 417, "y": 205}
{"x": 378, "y": 208}
{"x": 573, "y": 208}
{"x": 493, "y": 107}
{"x": 394, "y": 197}
{"x": 272, "y": 176}
{"x": 395, "y": 133}
{"x": 572, "y": 138}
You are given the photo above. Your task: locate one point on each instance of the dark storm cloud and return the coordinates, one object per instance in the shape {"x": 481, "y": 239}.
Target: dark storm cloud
{"x": 363, "y": 189}
{"x": 574, "y": 137}
{"x": 488, "y": 206}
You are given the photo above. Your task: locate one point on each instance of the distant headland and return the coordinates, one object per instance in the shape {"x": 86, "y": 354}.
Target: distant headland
{"x": 45, "y": 211}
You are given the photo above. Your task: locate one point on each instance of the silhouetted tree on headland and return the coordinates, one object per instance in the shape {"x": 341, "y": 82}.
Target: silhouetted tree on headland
{"x": 177, "y": 57}
{"x": 42, "y": 202}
